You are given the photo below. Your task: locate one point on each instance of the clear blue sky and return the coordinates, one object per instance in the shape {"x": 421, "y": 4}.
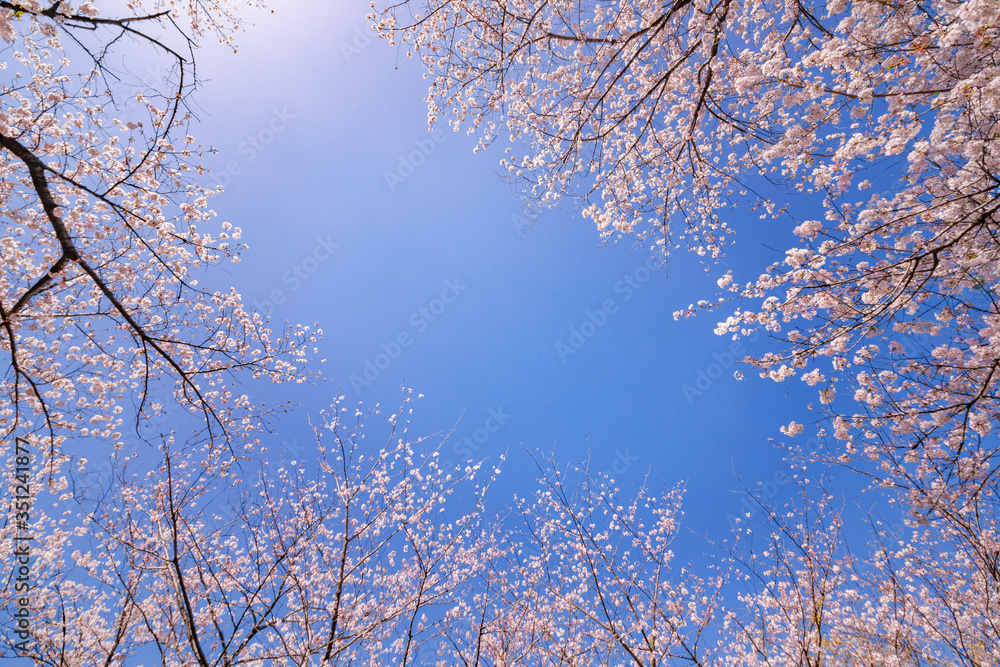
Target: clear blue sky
{"x": 330, "y": 122}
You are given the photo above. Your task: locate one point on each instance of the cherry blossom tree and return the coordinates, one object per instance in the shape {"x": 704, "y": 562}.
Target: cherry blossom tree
{"x": 594, "y": 582}
{"x": 356, "y": 555}
{"x": 903, "y": 595}
{"x": 870, "y": 126}
{"x": 107, "y": 236}
{"x": 108, "y": 233}
{"x": 662, "y": 119}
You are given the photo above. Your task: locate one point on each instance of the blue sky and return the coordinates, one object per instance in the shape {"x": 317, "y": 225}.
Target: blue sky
{"x": 310, "y": 119}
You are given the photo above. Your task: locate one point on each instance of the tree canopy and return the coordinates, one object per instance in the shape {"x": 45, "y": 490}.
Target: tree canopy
{"x": 866, "y": 127}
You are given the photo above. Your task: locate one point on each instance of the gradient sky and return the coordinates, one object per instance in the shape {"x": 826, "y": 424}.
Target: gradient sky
{"x": 332, "y": 115}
